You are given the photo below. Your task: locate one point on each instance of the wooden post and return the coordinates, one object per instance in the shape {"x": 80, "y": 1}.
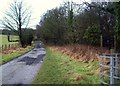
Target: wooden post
{"x": 9, "y": 46}
{"x": 16, "y": 45}
{"x": 2, "y": 47}
{"x": 102, "y": 69}
{"x": 114, "y": 43}
{"x": 5, "y": 46}
{"x": 12, "y": 46}
{"x": 101, "y": 43}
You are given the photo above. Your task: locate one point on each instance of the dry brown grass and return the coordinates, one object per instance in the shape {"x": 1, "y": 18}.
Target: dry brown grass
{"x": 80, "y": 52}
{"x": 12, "y": 50}
{"x": 83, "y": 53}
{"x": 78, "y": 76}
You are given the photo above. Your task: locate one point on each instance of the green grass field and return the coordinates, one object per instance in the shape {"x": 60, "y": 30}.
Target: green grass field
{"x": 61, "y": 69}
{"x": 8, "y": 57}
{"x": 4, "y": 39}
{"x": 4, "y": 58}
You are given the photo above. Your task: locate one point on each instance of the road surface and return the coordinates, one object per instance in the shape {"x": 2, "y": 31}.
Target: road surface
{"x": 23, "y": 69}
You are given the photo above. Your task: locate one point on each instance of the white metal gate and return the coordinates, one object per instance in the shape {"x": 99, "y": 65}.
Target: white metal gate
{"x": 110, "y": 63}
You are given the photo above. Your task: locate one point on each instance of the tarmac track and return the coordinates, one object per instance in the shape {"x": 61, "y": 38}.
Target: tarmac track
{"x": 23, "y": 69}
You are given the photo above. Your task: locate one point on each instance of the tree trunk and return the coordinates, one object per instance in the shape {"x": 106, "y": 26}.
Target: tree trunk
{"x": 21, "y": 38}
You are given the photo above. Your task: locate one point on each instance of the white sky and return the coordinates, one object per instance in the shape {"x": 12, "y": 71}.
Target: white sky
{"x": 39, "y": 7}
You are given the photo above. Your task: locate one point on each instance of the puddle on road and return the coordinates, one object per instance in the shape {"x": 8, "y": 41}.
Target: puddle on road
{"x": 32, "y": 53}
{"x": 32, "y": 61}
{"x": 16, "y": 84}
{"x": 34, "y": 50}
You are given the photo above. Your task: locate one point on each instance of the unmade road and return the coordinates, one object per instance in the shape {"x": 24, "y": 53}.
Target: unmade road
{"x": 23, "y": 69}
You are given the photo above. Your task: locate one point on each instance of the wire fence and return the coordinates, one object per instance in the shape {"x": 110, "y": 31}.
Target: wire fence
{"x": 9, "y": 46}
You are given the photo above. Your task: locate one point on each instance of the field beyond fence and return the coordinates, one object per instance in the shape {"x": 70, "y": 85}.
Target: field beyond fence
{"x": 5, "y": 44}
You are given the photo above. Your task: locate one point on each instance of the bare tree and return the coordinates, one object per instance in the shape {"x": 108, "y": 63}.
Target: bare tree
{"x": 17, "y": 18}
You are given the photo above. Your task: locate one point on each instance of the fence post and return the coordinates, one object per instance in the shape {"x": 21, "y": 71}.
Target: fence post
{"x": 102, "y": 70}
{"x": 9, "y": 46}
{"x": 2, "y": 46}
{"x": 111, "y": 70}
{"x": 116, "y": 65}
{"x": 15, "y": 45}
{"x": 12, "y": 46}
{"x": 5, "y": 46}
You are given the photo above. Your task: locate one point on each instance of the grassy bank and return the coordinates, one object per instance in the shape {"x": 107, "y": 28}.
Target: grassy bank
{"x": 10, "y": 56}
{"x": 61, "y": 69}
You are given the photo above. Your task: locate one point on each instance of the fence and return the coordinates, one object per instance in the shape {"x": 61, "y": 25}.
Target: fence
{"x": 8, "y": 46}
{"x": 110, "y": 68}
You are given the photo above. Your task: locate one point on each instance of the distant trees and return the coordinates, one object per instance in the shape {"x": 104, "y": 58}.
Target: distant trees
{"x": 110, "y": 13}
{"x": 17, "y": 18}
{"x": 63, "y": 25}
{"x": 7, "y": 32}
{"x": 116, "y": 7}
{"x": 53, "y": 25}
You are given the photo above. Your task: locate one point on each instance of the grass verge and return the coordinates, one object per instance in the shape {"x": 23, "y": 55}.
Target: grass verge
{"x": 8, "y": 57}
{"x": 61, "y": 69}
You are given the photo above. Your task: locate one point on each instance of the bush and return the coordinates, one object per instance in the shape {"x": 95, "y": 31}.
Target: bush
{"x": 27, "y": 37}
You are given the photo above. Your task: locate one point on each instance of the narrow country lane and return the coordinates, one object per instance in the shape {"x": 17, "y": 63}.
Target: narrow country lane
{"x": 23, "y": 69}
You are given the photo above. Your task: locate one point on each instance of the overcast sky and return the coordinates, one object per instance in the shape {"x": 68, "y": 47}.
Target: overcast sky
{"x": 39, "y": 7}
